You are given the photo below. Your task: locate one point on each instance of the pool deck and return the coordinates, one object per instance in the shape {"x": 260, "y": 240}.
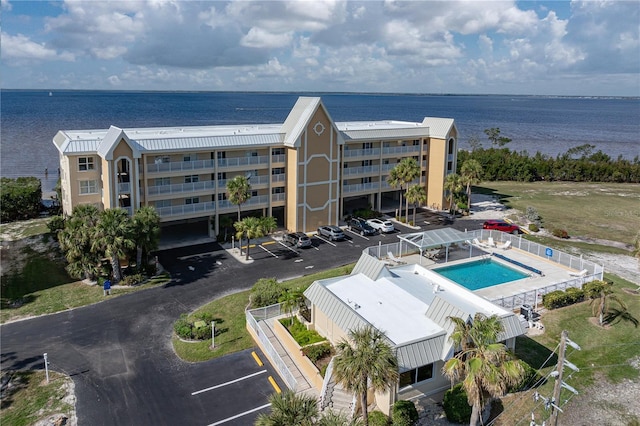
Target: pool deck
{"x": 552, "y": 272}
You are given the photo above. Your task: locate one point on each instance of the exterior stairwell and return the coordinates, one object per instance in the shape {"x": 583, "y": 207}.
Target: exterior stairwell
{"x": 334, "y": 397}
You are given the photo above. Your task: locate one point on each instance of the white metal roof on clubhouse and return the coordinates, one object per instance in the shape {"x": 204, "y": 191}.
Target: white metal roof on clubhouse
{"x": 410, "y": 304}
{"x": 193, "y": 138}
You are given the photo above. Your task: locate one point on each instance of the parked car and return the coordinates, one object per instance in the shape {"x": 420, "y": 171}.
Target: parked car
{"x": 331, "y": 232}
{"x": 501, "y": 225}
{"x": 381, "y": 225}
{"x": 361, "y": 226}
{"x": 298, "y": 239}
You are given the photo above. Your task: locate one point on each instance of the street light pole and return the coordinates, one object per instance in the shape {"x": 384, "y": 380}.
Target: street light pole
{"x": 46, "y": 367}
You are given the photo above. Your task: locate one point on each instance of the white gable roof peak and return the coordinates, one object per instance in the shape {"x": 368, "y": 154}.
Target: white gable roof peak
{"x": 439, "y": 127}
{"x": 299, "y": 117}
{"x": 110, "y": 141}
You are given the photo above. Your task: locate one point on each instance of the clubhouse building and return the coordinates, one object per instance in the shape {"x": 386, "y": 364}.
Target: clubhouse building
{"x": 307, "y": 171}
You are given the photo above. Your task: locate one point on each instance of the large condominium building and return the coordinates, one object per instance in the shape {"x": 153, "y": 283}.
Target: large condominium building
{"x": 306, "y": 172}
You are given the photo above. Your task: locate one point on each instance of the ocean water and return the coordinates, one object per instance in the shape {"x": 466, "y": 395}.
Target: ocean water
{"x": 551, "y": 125}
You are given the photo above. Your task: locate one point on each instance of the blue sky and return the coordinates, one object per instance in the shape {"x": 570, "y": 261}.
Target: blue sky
{"x": 577, "y": 48}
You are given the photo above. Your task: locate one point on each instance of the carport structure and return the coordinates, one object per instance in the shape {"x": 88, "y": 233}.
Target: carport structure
{"x": 436, "y": 238}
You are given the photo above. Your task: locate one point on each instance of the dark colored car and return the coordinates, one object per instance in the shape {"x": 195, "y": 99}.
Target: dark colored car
{"x": 332, "y": 232}
{"x": 501, "y": 225}
{"x": 361, "y": 226}
{"x": 298, "y": 239}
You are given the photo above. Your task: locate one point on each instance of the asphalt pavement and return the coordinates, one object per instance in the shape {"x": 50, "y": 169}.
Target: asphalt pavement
{"x": 119, "y": 353}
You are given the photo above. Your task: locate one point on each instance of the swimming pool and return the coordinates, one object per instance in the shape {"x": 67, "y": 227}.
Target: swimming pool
{"x": 480, "y": 274}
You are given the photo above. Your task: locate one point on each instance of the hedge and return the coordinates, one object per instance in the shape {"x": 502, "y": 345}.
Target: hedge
{"x": 20, "y": 198}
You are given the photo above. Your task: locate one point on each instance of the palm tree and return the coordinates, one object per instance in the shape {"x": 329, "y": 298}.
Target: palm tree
{"x": 453, "y": 184}
{"x": 290, "y": 300}
{"x": 251, "y": 228}
{"x": 365, "y": 360}
{"x": 269, "y": 224}
{"x": 470, "y": 172}
{"x": 403, "y": 173}
{"x": 601, "y": 295}
{"x": 486, "y": 368}
{"x": 290, "y": 409}
{"x": 113, "y": 237}
{"x": 146, "y": 231}
{"x": 239, "y": 190}
{"x": 75, "y": 241}
{"x": 416, "y": 195}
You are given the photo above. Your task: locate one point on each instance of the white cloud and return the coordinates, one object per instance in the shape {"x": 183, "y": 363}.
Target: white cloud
{"x": 6, "y": 6}
{"x": 262, "y": 39}
{"x": 20, "y": 48}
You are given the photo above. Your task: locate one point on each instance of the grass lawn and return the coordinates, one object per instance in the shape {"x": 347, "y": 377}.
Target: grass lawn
{"x": 30, "y": 398}
{"x": 604, "y": 354}
{"x": 228, "y": 313}
{"x": 597, "y": 210}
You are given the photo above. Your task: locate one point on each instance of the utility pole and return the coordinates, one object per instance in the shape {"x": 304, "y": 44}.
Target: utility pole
{"x": 555, "y": 400}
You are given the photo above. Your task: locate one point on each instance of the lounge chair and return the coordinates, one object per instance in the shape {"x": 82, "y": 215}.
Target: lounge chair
{"x": 395, "y": 259}
{"x": 479, "y": 243}
{"x": 432, "y": 254}
{"x": 491, "y": 242}
{"x": 579, "y": 274}
{"x": 505, "y": 246}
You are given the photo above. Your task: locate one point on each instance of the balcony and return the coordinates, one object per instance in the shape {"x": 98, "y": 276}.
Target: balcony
{"x": 388, "y": 167}
{"x": 278, "y": 197}
{"x": 179, "y": 166}
{"x": 361, "y": 187}
{"x": 350, "y": 171}
{"x": 185, "y": 209}
{"x": 180, "y": 188}
{"x": 280, "y": 158}
{"x": 259, "y": 180}
{"x": 372, "y": 152}
{"x": 124, "y": 187}
{"x": 395, "y": 150}
{"x": 253, "y": 201}
{"x": 279, "y": 178}
{"x": 243, "y": 161}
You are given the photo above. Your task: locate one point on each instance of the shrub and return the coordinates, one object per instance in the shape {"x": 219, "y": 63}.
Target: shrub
{"x": 404, "y": 413}
{"x": 592, "y": 289}
{"x": 20, "y": 198}
{"x": 366, "y": 213}
{"x": 55, "y": 225}
{"x": 559, "y": 298}
{"x": 559, "y": 233}
{"x": 182, "y": 327}
{"x": 533, "y": 227}
{"x": 201, "y": 333}
{"x": 574, "y": 295}
{"x": 265, "y": 292}
{"x": 315, "y": 352}
{"x": 455, "y": 405}
{"x": 378, "y": 418}
{"x": 532, "y": 215}
{"x": 300, "y": 333}
{"x": 130, "y": 280}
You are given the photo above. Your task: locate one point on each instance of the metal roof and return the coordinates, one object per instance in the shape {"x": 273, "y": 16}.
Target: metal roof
{"x": 203, "y": 142}
{"x": 370, "y": 266}
{"x": 382, "y": 134}
{"x": 439, "y": 127}
{"x": 340, "y": 312}
{"x": 434, "y": 238}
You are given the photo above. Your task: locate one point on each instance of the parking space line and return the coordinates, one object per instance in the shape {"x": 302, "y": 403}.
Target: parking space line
{"x": 228, "y": 419}
{"x": 209, "y": 253}
{"x": 272, "y": 254}
{"x": 355, "y": 233}
{"x": 228, "y": 383}
{"x": 326, "y": 241}
{"x": 257, "y": 358}
{"x": 286, "y": 246}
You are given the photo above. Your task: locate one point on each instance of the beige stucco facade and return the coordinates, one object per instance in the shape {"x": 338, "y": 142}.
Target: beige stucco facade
{"x": 305, "y": 168}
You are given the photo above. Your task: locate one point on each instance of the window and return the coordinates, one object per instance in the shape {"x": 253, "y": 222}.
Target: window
{"x": 163, "y": 181}
{"x": 252, "y": 153}
{"x": 366, "y": 180}
{"x": 416, "y": 375}
{"x": 254, "y": 193}
{"x": 88, "y": 187}
{"x": 277, "y": 190}
{"x": 85, "y": 164}
{"x": 221, "y": 155}
{"x": 366, "y": 163}
{"x": 222, "y": 196}
{"x": 191, "y": 179}
{"x": 451, "y": 144}
{"x": 416, "y": 142}
{"x": 277, "y": 151}
{"x": 277, "y": 171}
{"x": 188, "y": 157}
{"x": 162, "y": 203}
{"x": 192, "y": 200}
{"x": 385, "y": 161}
{"x": 367, "y": 145}
{"x": 162, "y": 159}
{"x": 222, "y": 175}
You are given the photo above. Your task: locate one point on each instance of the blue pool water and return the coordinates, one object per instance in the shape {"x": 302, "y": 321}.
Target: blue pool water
{"x": 480, "y": 274}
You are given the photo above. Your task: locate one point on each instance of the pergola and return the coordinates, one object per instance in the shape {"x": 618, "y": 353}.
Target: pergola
{"x": 436, "y": 238}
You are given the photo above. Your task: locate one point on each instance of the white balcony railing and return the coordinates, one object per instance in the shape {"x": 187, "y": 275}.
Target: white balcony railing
{"x": 400, "y": 149}
{"x": 361, "y": 187}
{"x": 187, "y": 209}
{"x": 279, "y": 178}
{"x": 257, "y": 200}
{"x": 180, "y": 188}
{"x": 243, "y": 161}
{"x": 124, "y": 187}
{"x": 348, "y": 171}
{"x": 280, "y": 158}
{"x": 387, "y": 167}
{"x": 178, "y": 166}
{"x": 372, "y": 152}
{"x": 278, "y": 197}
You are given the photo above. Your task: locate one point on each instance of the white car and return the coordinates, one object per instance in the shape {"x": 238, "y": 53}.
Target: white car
{"x": 381, "y": 225}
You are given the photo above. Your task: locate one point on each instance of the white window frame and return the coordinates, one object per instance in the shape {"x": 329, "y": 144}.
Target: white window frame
{"x": 162, "y": 159}
{"x": 192, "y": 200}
{"x": 163, "y": 181}
{"x": 87, "y": 165}
{"x": 88, "y": 187}
{"x": 191, "y": 179}
{"x": 162, "y": 203}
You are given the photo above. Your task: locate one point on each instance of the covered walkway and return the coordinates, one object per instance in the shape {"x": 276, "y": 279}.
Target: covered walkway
{"x": 436, "y": 240}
